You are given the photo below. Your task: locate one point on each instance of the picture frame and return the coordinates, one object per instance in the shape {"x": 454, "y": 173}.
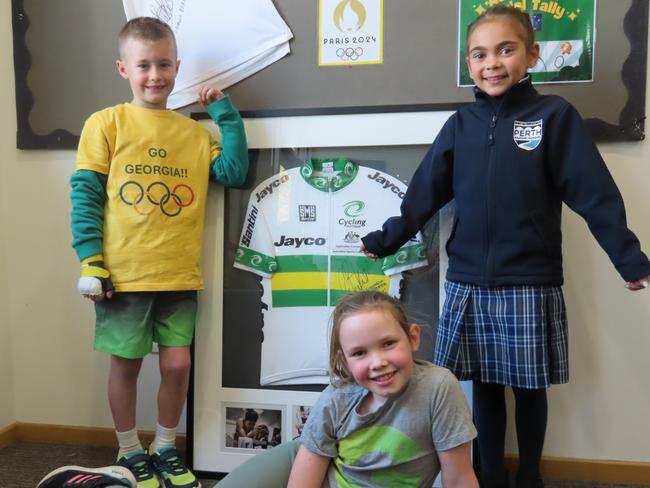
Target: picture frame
{"x": 208, "y": 399}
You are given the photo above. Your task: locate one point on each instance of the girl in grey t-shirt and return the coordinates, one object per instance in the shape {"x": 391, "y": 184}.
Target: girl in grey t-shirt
{"x": 386, "y": 420}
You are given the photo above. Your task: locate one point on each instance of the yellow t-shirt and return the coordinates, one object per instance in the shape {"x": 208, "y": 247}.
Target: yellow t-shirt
{"x": 158, "y": 165}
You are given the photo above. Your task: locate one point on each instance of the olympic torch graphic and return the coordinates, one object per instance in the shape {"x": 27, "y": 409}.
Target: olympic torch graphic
{"x": 349, "y": 16}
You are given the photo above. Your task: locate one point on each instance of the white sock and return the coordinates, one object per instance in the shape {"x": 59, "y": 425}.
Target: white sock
{"x": 165, "y": 437}
{"x": 129, "y": 443}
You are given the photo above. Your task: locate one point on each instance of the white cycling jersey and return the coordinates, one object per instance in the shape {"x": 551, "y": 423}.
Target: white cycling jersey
{"x": 219, "y": 41}
{"x": 301, "y": 234}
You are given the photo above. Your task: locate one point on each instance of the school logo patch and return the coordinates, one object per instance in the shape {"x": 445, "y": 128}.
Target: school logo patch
{"x": 527, "y": 135}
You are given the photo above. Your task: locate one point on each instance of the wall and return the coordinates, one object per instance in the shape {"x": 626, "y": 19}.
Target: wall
{"x": 59, "y": 379}
{"x": 601, "y": 414}
{"x": 7, "y": 403}
{"x": 7, "y": 126}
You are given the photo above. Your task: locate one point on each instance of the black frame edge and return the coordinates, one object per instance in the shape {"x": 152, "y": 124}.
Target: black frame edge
{"x": 631, "y": 121}
{"x": 26, "y": 138}
{"x": 635, "y": 26}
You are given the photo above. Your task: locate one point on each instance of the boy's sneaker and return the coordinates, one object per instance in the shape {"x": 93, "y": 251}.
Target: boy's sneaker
{"x": 78, "y": 477}
{"x": 172, "y": 470}
{"x": 140, "y": 464}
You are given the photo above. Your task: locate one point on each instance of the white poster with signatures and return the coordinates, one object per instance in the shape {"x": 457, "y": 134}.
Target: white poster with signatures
{"x": 350, "y": 32}
{"x": 220, "y": 42}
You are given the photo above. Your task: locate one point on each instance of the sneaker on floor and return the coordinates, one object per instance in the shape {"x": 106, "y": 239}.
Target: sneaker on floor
{"x": 79, "y": 477}
{"x": 141, "y": 466}
{"x": 172, "y": 470}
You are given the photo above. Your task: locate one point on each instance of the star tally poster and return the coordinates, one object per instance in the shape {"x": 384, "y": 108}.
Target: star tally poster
{"x": 564, "y": 29}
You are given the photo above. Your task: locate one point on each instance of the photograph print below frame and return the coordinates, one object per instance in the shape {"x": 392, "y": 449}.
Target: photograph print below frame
{"x": 299, "y": 416}
{"x": 252, "y": 427}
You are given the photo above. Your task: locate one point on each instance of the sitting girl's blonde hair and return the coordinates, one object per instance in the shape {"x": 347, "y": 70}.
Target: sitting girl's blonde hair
{"x": 352, "y": 304}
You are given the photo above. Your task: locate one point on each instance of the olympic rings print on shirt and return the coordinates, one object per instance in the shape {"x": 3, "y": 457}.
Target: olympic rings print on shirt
{"x": 159, "y": 195}
{"x": 349, "y": 53}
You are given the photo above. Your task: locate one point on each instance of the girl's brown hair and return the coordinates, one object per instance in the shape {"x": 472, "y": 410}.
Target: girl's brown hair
{"x": 352, "y": 304}
{"x": 518, "y": 15}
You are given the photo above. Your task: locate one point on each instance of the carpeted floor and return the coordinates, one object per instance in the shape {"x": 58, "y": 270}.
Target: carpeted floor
{"x": 22, "y": 465}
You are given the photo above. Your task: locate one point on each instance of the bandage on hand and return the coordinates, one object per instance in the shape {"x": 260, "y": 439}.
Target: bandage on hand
{"x": 95, "y": 279}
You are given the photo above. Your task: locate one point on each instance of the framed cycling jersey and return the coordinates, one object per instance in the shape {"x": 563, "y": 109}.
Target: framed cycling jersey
{"x": 279, "y": 253}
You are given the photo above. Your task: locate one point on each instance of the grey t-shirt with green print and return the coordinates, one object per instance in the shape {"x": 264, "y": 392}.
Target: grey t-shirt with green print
{"x": 396, "y": 445}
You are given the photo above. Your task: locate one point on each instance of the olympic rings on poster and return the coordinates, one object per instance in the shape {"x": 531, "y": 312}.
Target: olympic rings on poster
{"x": 170, "y": 202}
{"x": 349, "y": 53}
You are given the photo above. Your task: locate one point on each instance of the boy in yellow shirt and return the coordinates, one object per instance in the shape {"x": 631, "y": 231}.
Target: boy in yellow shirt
{"x": 138, "y": 204}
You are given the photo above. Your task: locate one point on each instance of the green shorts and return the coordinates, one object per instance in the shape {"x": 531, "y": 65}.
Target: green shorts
{"x": 128, "y": 324}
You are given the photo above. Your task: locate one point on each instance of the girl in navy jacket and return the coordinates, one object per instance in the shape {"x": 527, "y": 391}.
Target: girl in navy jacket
{"x": 509, "y": 160}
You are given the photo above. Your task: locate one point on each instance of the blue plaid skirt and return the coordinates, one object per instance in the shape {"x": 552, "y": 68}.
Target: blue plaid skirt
{"x": 512, "y": 335}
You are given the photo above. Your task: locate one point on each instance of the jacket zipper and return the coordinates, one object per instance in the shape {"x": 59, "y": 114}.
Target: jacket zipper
{"x": 490, "y": 199}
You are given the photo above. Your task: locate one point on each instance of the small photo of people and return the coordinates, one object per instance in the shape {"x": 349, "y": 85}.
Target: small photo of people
{"x": 299, "y": 416}
{"x": 253, "y": 427}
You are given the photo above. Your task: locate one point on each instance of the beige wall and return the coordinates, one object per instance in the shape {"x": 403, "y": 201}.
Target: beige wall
{"x": 58, "y": 377}
{"x": 7, "y": 126}
{"x": 7, "y": 400}
{"x": 601, "y": 414}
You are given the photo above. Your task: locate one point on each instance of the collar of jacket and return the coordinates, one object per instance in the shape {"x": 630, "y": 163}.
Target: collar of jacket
{"x": 518, "y": 94}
